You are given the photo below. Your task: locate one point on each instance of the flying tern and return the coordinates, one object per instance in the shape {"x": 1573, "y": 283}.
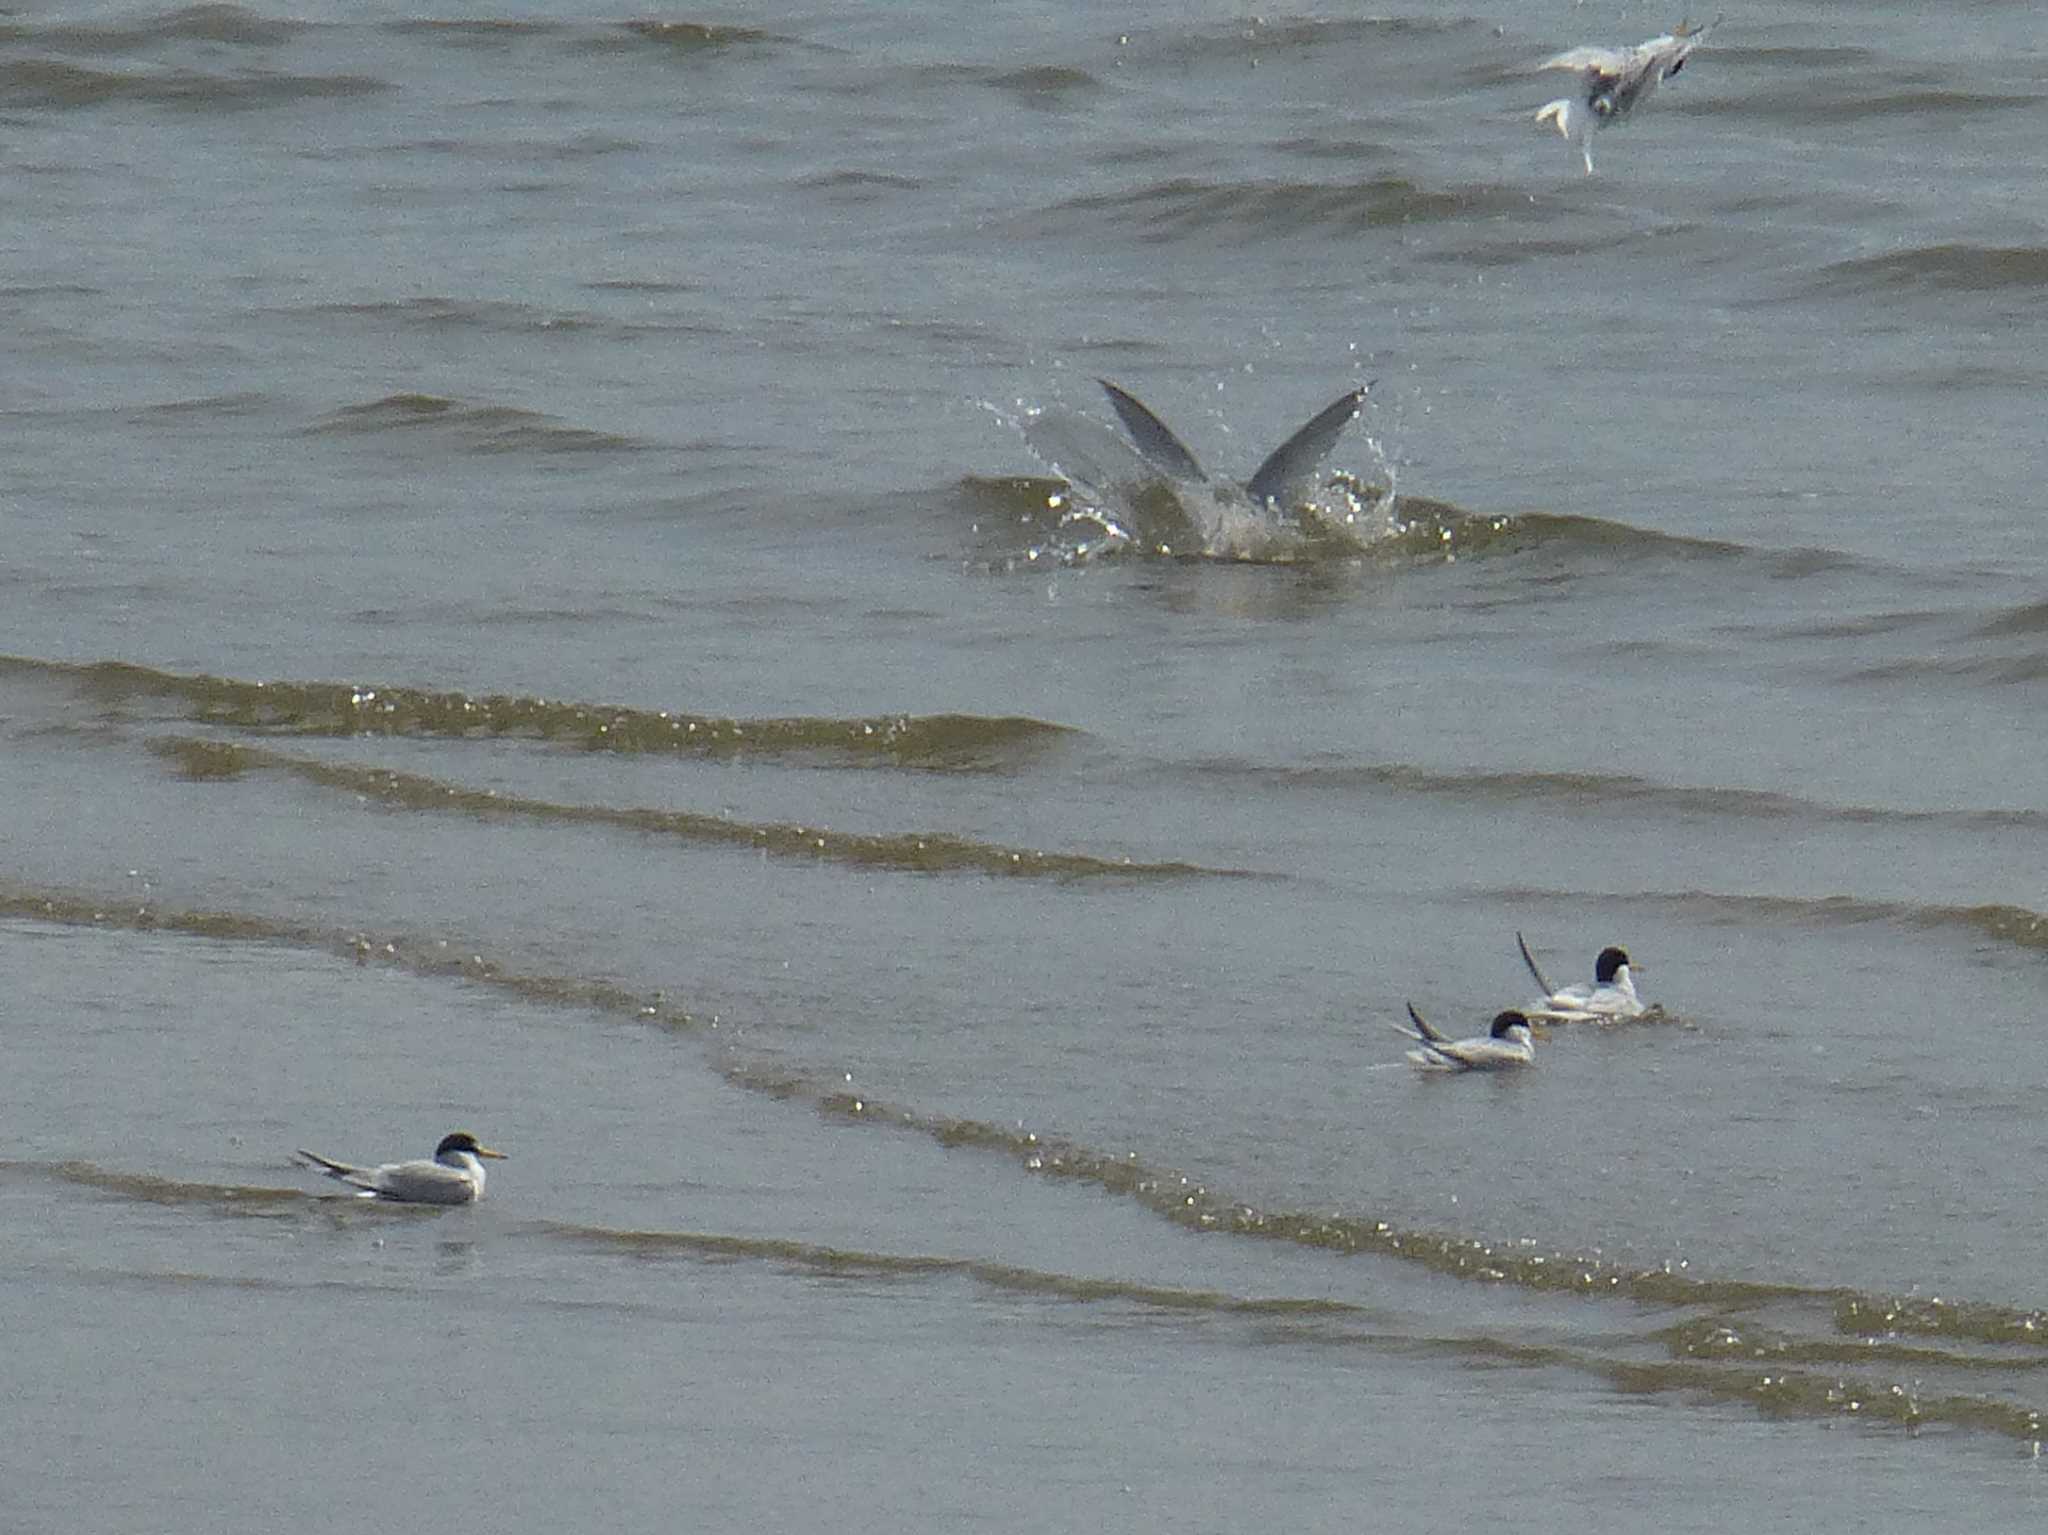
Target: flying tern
{"x": 1614, "y": 81}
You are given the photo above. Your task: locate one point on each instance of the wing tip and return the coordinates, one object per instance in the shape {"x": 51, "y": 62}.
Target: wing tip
{"x": 1423, "y": 1028}
{"x": 1529, "y": 959}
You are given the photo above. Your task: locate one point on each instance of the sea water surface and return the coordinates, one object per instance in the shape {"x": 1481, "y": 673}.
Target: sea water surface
{"x": 535, "y": 598}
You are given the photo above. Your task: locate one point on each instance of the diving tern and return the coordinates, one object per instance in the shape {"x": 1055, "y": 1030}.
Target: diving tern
{"x": 1614, "y": 81}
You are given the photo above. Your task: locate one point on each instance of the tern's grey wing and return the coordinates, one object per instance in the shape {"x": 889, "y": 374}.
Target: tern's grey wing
{"x": 1613, "y": 1002}
{"x": 1161, "y": 448}
{"x": 1484, "y": 1054}
{"x": 1301, "y": 455}
{"x": 1652, "y": 64}
{"x": 1530, "y": 960}
{"x": 425, "y": 1183}
{"x": 364, "y": 1178}
{"x": 1423, "y": 1029}
{"x": 1560, "y": 1007}
{"x": 1407, "y": 1031}
{"x": 1675, "y": 51}
{"x": 1594, "y": 63}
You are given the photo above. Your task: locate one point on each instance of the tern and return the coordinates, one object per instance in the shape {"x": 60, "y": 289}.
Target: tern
{"x": 1509, "y": 1043}
{"x": 1612, "y": 995}
{"x": 453, "y": 1176}
{"x": 1279, "y": 482}
{"x": 1614, "y": 81}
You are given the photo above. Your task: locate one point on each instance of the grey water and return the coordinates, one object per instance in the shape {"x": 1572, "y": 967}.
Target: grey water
{"x": 528, "y": 603}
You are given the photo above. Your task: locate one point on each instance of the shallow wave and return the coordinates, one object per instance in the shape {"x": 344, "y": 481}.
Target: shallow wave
{"x": 479, "y": 428}
{"x": 2008, "y": 924}
{"x": 1724, "y": 1354}
{"x": 1952, "y": 267}
{"x": 1027, "y": 520}
{"x": 693, "y": 34}
{"x": 1601, "y": 793}
{"x": 432, "y": 312}
{"x": 1774, "y": 1345}
{"x": 1044, "y": 85}
{"x": 1107, "y": 494}
{"x": 1022, "y": 522}
{"x": 937, "y": 742}
{"x": 1827, "y": 1314}
{"x": 225, "y": 406}
{"x": 901, "y": 852}
{"x": 1944, "y": 377}
{"x": 49, "y": 83}
{"x": 1259, "y": 212}
{"x": 222, "y": 407}
{"x": 411, "y": 954}
{"x": 1257, "y": 37}
{"x": 839, "y": 1262}
{"x": 858, "y": 186}
{"x": 1998, "y": 921}
{"x": 681, "y": 40}
{"x": 146, "y": 1188}
{"x": 647, "y": 37}
{"x": 1858, "y": 626}
{"x": 226, "y": 24}
{"x": 1849, "y": 97}
{"x": 1611, "y": 539}
{"x": 2029, "y": 618}
{"x": 480, "y": 30}
{"x": 1994, "y": 670}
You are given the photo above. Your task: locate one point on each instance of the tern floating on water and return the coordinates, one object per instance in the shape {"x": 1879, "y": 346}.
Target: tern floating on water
{"x": 453, "y": 1176}
{"x": 1509, "y": 1043}
{"x": 1612, "y": 995}
{"x": 1614, "y": 81}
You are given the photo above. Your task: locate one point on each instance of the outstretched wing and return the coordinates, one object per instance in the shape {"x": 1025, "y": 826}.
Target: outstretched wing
{"x": 1423, "y": 1029}
{"x": 1595, "y": 65}
{"x": 1530, "y": 960}
{"x": 1670, "y": 53}
{"x": 1301, "y": 455}
{"x": 363, "y": 1178}
{"x": 1152, "y": 437}
{"x": 1485, "y": 1054}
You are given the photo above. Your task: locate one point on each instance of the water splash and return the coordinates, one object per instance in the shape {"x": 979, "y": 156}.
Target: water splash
{"x": 1108, "y": 500}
